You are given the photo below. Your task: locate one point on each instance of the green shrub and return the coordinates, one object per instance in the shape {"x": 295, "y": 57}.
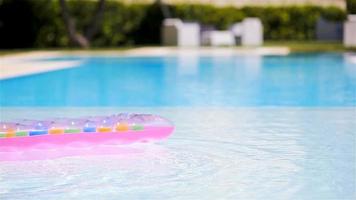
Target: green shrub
{"x": 280, "y": 23}
{"x": 38, "y": 23}
{"x": 351, "y": 6}
{"x": 209, "y": 15}
{"x": 17, "y": 29}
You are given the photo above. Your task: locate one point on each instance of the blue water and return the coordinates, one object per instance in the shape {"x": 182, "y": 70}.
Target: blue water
{"x": 247, "y": 127}
{"x": 296, "y": 80}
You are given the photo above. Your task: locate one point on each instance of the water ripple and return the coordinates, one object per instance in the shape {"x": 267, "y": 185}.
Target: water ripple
{"x": 241, "y": 156}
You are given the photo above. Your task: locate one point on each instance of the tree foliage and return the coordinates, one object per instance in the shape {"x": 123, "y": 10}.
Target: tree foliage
{"x": 38, "y": 23}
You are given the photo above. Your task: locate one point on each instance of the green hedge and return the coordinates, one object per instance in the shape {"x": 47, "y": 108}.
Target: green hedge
{"x": 38, "y": 23}
{"x": 351, "y": 6}
{"x": 280, "y": 23}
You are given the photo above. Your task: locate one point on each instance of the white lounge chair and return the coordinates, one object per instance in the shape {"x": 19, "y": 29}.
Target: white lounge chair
{"x": 178, "y": 33}
{"x": 350, "y": 31}
{"x": 218, "y": 38}
{"x": 250, "y": 30}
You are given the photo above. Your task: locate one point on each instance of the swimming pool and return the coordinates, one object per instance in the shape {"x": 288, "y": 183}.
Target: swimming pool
{"x": 312, "y": 80}
{"x": 248, "y": 127}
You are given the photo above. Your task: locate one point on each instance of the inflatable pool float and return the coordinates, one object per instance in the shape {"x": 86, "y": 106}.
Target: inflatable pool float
{"x": 116, "y": 129}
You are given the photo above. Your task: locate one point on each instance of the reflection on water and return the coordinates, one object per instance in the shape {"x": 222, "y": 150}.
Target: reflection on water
{"x": 187, "y": 64}
{"x": 216, "y": 153}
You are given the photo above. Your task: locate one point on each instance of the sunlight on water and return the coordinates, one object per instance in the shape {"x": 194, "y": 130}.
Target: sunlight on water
{"x": 215, "y": 153}
{"x": 247, "y": 127}
{"x": 295, "y": 80}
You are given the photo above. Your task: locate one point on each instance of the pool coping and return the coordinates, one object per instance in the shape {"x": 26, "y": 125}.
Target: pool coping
{"x": 21, "y": 64}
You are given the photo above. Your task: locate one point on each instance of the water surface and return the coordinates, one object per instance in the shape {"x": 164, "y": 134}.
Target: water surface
{"x": 247, "y": 127}
{"x": 191, "y": 80}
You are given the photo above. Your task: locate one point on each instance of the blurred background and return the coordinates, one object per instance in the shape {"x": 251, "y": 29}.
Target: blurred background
{"x": 127, "y": 23}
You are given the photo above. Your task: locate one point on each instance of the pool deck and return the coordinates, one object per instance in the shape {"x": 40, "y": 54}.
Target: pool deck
{"x": 28, "y": 63}
{"x": 21, "y": 64}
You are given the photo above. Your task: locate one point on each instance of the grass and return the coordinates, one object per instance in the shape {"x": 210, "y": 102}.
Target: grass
{"x": 13, "y": 51}
{"x": 294, "y": 46}
{"x": 310, "y": 46}
{"x": 69, "y": 49}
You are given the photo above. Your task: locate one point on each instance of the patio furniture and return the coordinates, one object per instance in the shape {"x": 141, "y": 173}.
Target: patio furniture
{"x": 350, "y": 31}
{"x": 250, "y": 31}
{"x": 218, "y": 38}
{"x": 178, "y": 33}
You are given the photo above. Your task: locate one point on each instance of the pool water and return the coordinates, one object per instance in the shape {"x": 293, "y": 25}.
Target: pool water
{"x": 247, "y": 127}
{"x": 312, "y": 80}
